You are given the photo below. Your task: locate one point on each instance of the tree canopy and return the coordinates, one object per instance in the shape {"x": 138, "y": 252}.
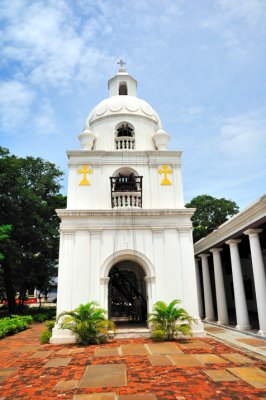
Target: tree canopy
{"x": 210, "y": 214}
{"x": 29, "y": 195}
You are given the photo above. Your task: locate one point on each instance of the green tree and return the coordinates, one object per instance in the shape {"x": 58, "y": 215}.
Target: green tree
{"x": 88, "y": 323}
{"x": 4, "y": 235}
{"x": 29, "y": 195}
{"x": 169, "y": 321}
{"x": 210, "y": 214}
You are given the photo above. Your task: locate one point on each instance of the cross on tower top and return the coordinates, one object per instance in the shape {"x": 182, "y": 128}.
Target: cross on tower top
{"x": 121, "y": 63}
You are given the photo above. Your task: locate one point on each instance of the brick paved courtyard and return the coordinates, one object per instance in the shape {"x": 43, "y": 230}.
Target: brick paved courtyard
{"x": 128, "y": 369}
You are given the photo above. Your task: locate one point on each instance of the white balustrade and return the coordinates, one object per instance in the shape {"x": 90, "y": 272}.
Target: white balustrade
{"x": 125, "y": 143}
{"x": 126, "y": 199}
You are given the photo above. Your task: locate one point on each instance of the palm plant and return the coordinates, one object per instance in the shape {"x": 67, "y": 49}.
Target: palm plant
{"x": 169, "y": 321}
{"x": 88, "y": 322}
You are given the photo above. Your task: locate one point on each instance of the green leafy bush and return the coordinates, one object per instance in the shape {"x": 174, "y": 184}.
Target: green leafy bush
{"x": 47, "y": 334}
{"x": 42, "y": 314}
{"x": 45, "y": 337}
{"x": 169, "y": 321}
{"x": 88, "y": 322}
{"x": 14, "y": 324}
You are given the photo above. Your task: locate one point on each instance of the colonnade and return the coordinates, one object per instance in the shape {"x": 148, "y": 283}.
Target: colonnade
{"x": 259, "y": 274}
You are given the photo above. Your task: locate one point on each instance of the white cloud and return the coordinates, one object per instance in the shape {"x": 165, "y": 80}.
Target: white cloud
{"x": 15, "y": 103}
{"x": 44, "y": 121}
{"x": 187, "y": 114}
{"x": 248, "y": 10}
{"x": 239, "y": 24}
{"x": 46, "y": 40}
{"x": 243, "y": 135}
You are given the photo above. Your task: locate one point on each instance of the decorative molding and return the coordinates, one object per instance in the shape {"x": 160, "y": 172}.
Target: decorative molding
{"x": 253, "y": 232}
{"x": 203, "y": 255}
{"x": 216, "y": 250}
{"x": 105, "y": 280}
{"x": 134, "y": 157}
{"x": 149, "y": 279}
{"x": 185, "y": 212}
{"x": 233, "y": 242}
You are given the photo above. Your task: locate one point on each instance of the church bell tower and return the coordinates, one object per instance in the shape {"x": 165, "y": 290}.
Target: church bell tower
{"x": 125, "y": 233}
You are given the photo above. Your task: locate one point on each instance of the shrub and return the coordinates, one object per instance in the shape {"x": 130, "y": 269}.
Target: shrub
{"x": 88, "y": 322}
{"x": 169, "y": 321}
{"x": 47, "y": 334}
{"x": 42, "y": 314}
{"x": 14, "y": 324}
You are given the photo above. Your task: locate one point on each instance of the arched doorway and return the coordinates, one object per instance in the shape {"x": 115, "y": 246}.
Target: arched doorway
{"x": 127, "y": 293}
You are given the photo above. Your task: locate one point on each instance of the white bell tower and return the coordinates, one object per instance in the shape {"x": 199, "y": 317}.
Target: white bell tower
{"x": 125, "y": 233}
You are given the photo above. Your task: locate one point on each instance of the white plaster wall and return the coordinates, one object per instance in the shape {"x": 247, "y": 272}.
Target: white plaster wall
{"x": 80, "y": 276}
{"x": 105, "y": 129}
{"x": 104, "y": 165}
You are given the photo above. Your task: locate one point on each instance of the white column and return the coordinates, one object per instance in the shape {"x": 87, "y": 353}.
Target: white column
{"x": 200, "y": 303}
{"x": 219, "y": 286}
{"x": 259, "y": 277}
{"x": 242, "y": 317}
{"x": 208, "y": 301}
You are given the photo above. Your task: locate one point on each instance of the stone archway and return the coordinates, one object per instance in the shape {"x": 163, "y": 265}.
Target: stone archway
{"x": 127, "y": 292}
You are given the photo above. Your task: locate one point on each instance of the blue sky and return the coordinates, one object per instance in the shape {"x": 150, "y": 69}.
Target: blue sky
{"x": 200, "y": 63}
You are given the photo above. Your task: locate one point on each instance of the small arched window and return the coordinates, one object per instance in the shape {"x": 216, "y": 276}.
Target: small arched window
{"x": 122, "y": 89}
{"x": 125, "y": 137}
{"x": 125, "y": 130}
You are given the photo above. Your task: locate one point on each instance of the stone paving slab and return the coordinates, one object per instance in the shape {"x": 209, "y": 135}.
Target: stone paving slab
{"x": 210, "y": 359}
{"x": 109, "y": 375}
{"x": 184, "y": 360}
{"x": 160, "y": 360}
{"x": 24, "y": 349}
{"x": 238, "y": 358}
{"x": 57, "y": 362}
{"x": 196, "y": 344}
{"x": 66, "y": 385}
{"x": 71, "y": 351}
{"x": 252, "y": 375}
{"x": 7, "y": 371}
{"x": 133, "y": 350}
{"x": 137, "y": 397}
{"x": 253, "y": 342}
{"x": 213, "y": 329}
{"x": 107, "y": 351}
{"x": 164, "y": 348}
{"x": 41, "y": 354}
{"x": 95, "y": 396}
{"x": 219, "y": 375}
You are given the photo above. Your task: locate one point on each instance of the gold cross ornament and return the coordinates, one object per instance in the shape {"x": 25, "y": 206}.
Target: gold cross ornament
{"x": 165, "y": 170}
{"x": 84, "y": 170}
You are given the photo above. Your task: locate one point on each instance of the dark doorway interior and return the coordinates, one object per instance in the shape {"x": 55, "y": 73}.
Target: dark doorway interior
{"x": 127, "y": 293}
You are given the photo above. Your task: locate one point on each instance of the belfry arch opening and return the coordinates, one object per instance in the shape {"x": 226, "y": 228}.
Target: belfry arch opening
{"x": 122, "y": 89}
{"x": 125, "y": 136}
{"x": 126, "y": 189}
{"x": 127, "y": 293}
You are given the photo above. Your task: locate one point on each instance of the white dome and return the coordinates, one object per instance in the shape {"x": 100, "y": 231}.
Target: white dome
{"x": 123, "y": 105}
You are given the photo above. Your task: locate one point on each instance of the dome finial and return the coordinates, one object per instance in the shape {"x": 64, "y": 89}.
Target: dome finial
{"x": 121, "y": 63}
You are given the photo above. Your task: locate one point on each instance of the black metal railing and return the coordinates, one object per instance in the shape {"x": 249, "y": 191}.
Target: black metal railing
{"x": 126, "y": 191}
